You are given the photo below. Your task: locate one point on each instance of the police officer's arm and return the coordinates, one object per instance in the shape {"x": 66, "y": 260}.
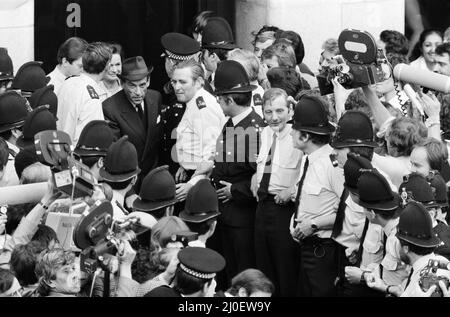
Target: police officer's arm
{"x": 380, "y": 113}
{"x": 112, "y": 122}
{"x": 208, "y": 126}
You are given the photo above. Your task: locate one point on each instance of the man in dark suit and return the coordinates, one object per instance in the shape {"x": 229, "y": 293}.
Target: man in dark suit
{"x": 135, "y": 111}
{"x": 234, "y": 166}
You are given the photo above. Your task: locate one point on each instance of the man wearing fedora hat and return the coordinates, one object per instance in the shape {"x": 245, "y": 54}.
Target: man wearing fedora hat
{"x": 217, "y": 42}
{"x": 199, "y": 127}
{"x": 417, "y": 243}
{"x": 317, "y": 198}
{"x": 201, "y": 211}
{"x": 13, "y": 112}
{"x": 95, "y": 139}
{"x": 6, "y": 70}
{"x": 120, "y": 170}
{"x": 78, "y": 98}
{"x": 135, "y": 112}
{"x": 382, "y": 206}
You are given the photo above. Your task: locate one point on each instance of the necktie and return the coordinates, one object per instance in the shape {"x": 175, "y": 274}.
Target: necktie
{"x": 361, "y": 242}
{"x": 300, "y": 185}
{"x": 263, "y": 189}
{"x": 140, "y": 112}
{"x": 409, "y": 278}
{"x": 340, "y": 215}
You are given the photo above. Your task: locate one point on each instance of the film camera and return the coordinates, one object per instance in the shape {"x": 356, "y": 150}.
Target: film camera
{"x": 97, "y": 234}
{"x": 429, "y": 277}
{"x": 70, "y": 176}
{"x": 361, "y": 63}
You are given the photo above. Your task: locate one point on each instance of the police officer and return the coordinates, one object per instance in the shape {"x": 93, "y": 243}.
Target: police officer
{"x": 6, "y": 70}
{"x": 234, "y": 166}
{"x": 195, "y": 274}
{"x": 177, "y": 48}
{"x": 29, "y": 78}
{"x": 78, "y": 98}
{"x": 45, "y": 96}
{"x": 382, "y": 206}
{"x": 201, "y": 211}
{"x": 199, "y": 127}
{"x": 40, "y": 119}
{"x": 417, "y": 243}
{"x": 319, "y": 190}
{"x": 428, "y": 191}
{"x": 93, "y": 144}
{"x": 217, "y": 42}
{"x": 120, "y": 171}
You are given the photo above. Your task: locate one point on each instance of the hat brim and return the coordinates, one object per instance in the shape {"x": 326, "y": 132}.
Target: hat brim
{"x": 385, "y": 206}
{"x": 83, "y": 152}
{"x": 137, "y": 75}
{"x": 196, "y": 218}
{"x": 243, "y": 89}
{"x": 344, "y": 143}
{"x": 142, "y": 205}
{"x": 225, "y": 46}
{"x": 327, "y": 129}
{"x": 119, "y": 177}
{"x": 430, "y": 243}
{"x": 11, "y": 126}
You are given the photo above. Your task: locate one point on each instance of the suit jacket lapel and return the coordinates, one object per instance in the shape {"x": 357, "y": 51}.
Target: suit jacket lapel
{"x": 130, "y": 115}
{"x": 152, "y": 112}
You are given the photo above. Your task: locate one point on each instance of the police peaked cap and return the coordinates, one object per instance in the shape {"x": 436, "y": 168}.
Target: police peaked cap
{"x": 179, "y": 46}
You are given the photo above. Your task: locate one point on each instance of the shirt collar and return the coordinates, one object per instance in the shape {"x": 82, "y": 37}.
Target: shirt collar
{"x": 13, "y": 147}
{"x": 281, "y": 135}
{"x": 325, "y": 150}
{"x": 241, "y": 116}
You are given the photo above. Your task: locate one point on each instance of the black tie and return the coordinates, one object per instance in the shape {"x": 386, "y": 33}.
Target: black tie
{"x": 300, "y": 185}
{"x": 409, "y": 278}
{"x": 140, "y": 113}
{"x": 263, "y": 189}
{"x": 361, "y": 242}
{"x": 340, "y": 215}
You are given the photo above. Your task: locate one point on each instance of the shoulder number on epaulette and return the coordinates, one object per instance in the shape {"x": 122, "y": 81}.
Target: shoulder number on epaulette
{"x": 200, "y": 103}
{"x": 92, "y": 92}
{"x": 257, "y": 100}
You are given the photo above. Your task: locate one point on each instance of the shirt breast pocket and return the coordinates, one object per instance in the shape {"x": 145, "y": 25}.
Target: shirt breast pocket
{"x": 311, "y": 189}
{"x": 288, "y": 169}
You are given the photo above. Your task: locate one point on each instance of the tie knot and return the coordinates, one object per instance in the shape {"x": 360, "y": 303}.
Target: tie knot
{"x": 230, "y": 123}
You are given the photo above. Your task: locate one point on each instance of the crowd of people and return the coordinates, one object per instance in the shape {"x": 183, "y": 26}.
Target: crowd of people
{"x": 244, "y": 179}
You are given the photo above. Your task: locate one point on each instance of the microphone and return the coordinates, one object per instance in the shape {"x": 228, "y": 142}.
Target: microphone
{"x": 424, "y": 78}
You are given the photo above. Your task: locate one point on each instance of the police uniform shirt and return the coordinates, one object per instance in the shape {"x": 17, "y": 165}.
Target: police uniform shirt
{"x": 198, "y": 130}
{"x": 285, "y": 163}
{"x": 373, "y": 246}
{"x": 394, "y": 270}
{"x": 56, "y": 79}
{"x": 412, "y": 288}
{"x": 10, "y": 177}
{"x": 257, "y": 100}
{"x": 78, "y": 104}
{"x": 322, "y": 188}
{"x": 352, "y": 227}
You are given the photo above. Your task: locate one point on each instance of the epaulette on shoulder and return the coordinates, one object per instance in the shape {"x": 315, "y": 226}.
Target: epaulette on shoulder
{"x": 200, "y": 103}
{"x": 92, "y": 92}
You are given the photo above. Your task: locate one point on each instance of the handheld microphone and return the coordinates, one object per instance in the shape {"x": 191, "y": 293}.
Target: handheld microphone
{"x": 424, "y": 78}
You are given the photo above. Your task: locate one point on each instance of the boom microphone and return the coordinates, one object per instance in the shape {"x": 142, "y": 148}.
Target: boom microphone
{"x": 424, "y": 78}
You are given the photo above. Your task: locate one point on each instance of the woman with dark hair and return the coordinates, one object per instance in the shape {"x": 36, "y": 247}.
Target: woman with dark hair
{"x": 264, "y": 38}
{"x": 199, "y": 24}
{"x": 111, "y": 82}
{"x": 424, "y": 51}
